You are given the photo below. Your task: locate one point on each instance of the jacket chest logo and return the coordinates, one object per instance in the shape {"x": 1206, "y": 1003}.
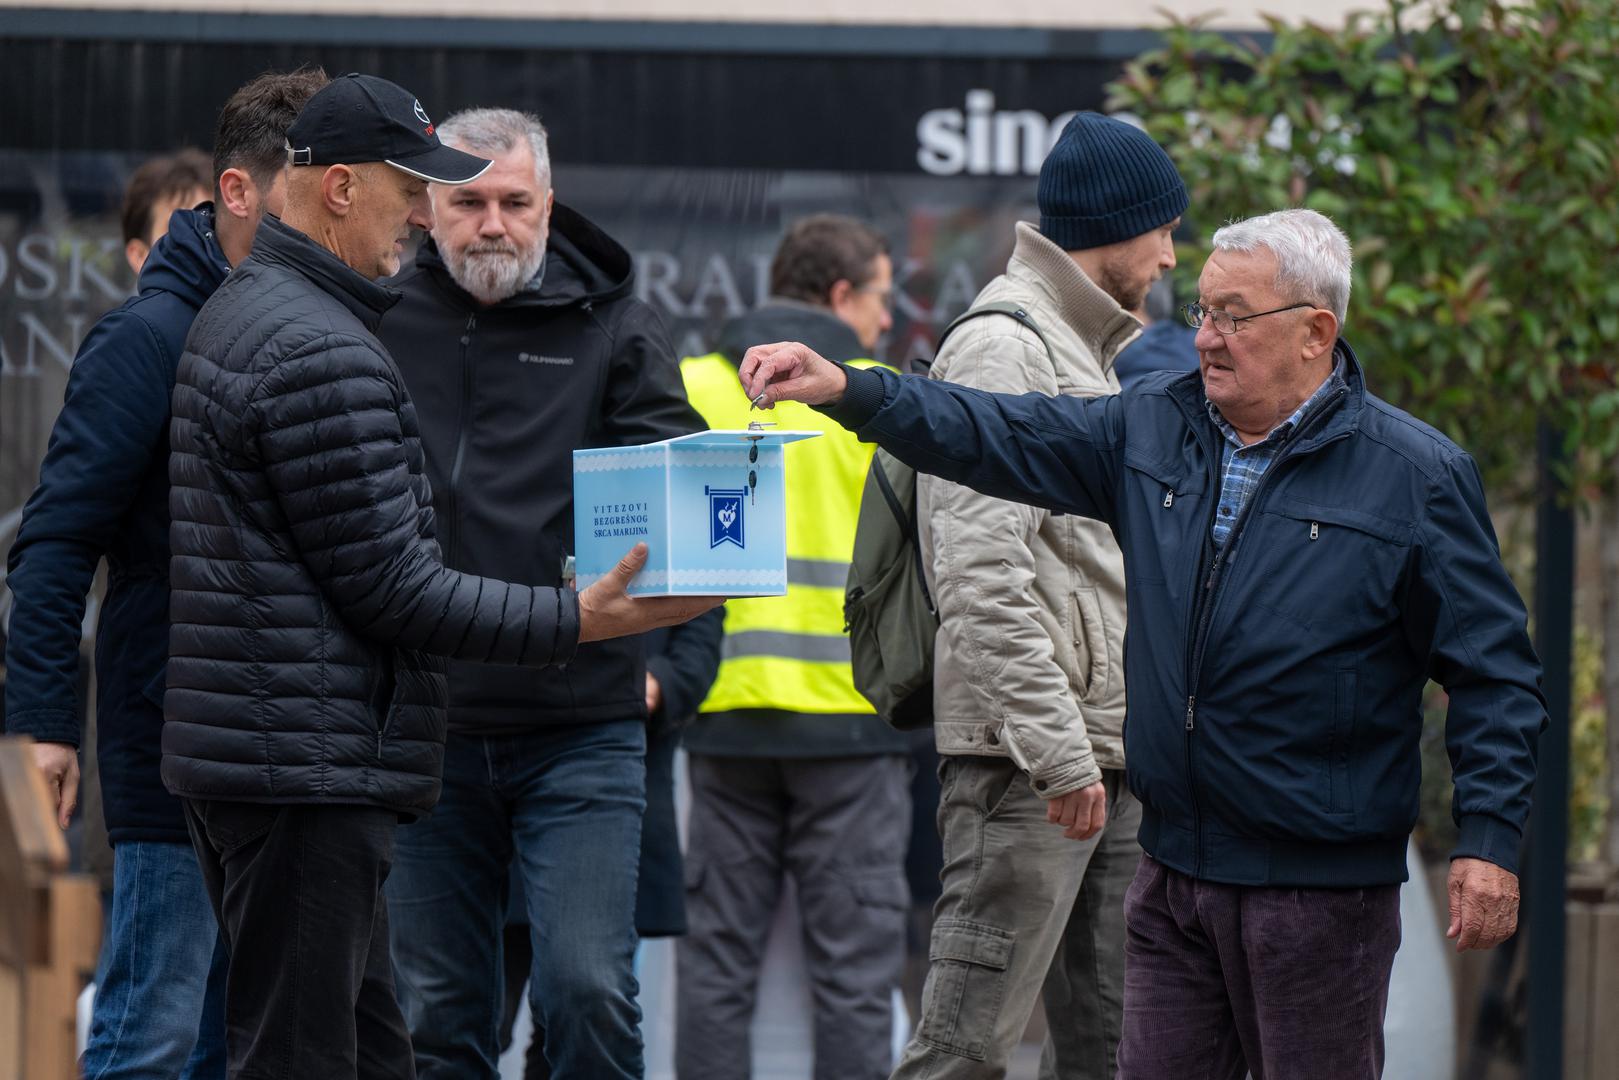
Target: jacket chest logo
{"x": 544, "y": 361}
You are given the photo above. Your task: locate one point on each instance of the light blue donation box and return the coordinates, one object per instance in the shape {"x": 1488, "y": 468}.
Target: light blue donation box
{"x": 711, "y": 507}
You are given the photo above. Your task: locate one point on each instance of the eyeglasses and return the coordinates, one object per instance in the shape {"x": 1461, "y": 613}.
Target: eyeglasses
{"x": 1224, "y": 321}
{"x": 885, "y": 297}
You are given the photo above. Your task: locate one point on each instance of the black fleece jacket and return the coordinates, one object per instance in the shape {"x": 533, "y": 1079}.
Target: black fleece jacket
{"x": 505, "y": 394}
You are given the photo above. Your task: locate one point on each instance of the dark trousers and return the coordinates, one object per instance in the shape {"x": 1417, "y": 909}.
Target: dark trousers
{"x": 564, "y": 803}
{"x": 839, "y": 827}
{"x": 1286, "y": 984}
{"x": 298, "y": 894}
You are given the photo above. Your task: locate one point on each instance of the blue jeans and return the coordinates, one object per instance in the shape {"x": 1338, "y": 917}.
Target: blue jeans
{"x": 160, "y": 984}
{"x": 566, "y": 803}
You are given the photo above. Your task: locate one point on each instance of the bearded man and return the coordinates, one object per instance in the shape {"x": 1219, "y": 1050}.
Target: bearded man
{"x": 520, "y": 340}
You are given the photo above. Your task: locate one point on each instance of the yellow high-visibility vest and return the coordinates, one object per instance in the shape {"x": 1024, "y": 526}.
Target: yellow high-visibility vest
{"x": 791, "y": 652}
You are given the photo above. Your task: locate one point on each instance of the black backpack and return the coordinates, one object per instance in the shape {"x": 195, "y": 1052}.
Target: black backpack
{"x": 887, "y": 609}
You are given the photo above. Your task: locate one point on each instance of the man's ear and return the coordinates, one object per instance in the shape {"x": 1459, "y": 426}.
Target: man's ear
{"x": 238, "y": 195}
{"x": 841, "y": 292}
{"x": 338, "y": 186}
{"x": 1323, "y": 333}
{"x": 135, "y": 253}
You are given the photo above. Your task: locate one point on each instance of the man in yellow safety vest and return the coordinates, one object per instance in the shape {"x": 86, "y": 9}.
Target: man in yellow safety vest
{"x": 792, "y": 772}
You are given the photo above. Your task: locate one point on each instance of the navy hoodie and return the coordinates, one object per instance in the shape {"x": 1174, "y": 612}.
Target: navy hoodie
{"x": 103, "y": 491}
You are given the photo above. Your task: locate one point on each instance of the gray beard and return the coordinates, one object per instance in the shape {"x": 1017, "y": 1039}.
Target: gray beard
{"x": 493, "y": 276}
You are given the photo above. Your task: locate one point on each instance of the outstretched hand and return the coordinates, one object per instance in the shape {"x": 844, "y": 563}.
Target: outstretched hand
{"x": 789, "y": 371}
{"x": 607, "y": 610}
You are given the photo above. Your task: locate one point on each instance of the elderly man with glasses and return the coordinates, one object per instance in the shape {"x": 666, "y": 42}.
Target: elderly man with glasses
{"x": 1300, "y": 558}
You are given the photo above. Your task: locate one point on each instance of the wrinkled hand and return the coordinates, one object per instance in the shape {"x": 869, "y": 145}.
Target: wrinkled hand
{"x": 654, "y": 694}
{"x": 59, "y": 764}
{"x": 607, "y": 610}
{"x": 788, "y": 371}
{"x": 1483, "y": 904}
{"x": 1081, "y": 813}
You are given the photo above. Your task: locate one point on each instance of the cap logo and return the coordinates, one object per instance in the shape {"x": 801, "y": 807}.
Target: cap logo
{"x": 421, "y": 113}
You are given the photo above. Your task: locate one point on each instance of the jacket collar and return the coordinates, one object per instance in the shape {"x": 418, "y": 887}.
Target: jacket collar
{"x": 1187, "y": 391}
{"x": 187, "y": 260}
{"x": 783, "y": 319}
{"x": 1096, "y": 317}
{"x": 280, "y": 244}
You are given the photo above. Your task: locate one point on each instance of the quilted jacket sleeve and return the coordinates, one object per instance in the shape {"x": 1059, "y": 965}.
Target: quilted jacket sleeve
{"x": 327, "y": 426}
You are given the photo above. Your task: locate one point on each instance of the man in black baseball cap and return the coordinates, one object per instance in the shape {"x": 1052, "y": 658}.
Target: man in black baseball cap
{"x": 361, "y": 118}
{"x": 362, "y": 154}
{"x": 309, "y": 600}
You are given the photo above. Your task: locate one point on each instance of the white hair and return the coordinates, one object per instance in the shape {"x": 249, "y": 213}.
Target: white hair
{"x": 498, "y": 131}
{"x": 1312, "y": 254}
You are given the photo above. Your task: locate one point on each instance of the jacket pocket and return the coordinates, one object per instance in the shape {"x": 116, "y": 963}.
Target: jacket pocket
{"x": 1093, "y": 664}
{"x": 966, "y": 985}
{"x": 1335, "y": 571}
{"x": 1170, "y": 500}
{"x": 1361, "y": 521}
{"x": 382, "y": 690}
{"x": 992, "y": 780}
{"x": 157, "y": 686}
{"x": 1340, "y": 746}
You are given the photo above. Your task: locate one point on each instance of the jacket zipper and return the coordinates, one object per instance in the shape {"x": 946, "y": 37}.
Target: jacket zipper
{"x": 452, "y": 500}
{"x": 1209, "y": 593}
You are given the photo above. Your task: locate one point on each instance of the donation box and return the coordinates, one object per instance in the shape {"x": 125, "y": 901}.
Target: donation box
{"x": 711, "y": 508}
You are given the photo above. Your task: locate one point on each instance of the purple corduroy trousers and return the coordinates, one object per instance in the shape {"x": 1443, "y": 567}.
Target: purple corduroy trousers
{"x": 1286, "y": 984}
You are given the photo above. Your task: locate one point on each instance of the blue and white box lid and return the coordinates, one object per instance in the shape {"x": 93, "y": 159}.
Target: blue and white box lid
{"x": 711, "y": 507}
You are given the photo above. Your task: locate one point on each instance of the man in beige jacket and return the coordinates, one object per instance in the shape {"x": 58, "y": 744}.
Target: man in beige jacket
{"x": 1039, "y": 829}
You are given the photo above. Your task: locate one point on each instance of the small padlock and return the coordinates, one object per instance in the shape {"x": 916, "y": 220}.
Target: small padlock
{"x": 753, "y": 477}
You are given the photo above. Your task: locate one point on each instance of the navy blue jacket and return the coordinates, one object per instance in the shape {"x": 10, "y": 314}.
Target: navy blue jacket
{"x": 103, "y": 491}
{"x": 1274, "y": 691}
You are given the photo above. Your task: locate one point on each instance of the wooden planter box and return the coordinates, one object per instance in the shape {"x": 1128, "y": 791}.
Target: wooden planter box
{"x": 50, "y": 927}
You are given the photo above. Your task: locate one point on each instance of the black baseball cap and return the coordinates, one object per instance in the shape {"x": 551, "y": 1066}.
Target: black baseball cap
{"x": 360, "y": 118}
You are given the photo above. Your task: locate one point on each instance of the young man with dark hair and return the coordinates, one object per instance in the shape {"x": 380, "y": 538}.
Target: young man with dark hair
{"x": 792, "y": 772}
{"x": 103, "y": 492}
{"x": 1028, "y": 698}
{"x": 156, "y": 190}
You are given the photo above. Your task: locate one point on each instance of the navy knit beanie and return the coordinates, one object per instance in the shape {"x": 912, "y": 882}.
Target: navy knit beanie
{"x": 1106, "y": 181}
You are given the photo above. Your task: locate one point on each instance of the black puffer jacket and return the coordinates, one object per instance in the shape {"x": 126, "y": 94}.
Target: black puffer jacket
{"x": 307, "y": 587}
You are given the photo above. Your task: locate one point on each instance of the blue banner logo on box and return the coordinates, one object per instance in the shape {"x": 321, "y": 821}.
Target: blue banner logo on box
{"x": 711, "y": 506}
{"x": 725, "y": 516}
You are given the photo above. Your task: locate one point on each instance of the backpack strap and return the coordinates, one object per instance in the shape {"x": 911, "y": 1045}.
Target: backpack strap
{"x": 998, "y": 307}
{"x": 907, "y": 526}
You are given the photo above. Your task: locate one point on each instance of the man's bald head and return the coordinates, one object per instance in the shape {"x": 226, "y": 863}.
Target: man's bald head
{"x": 361, "y": 213}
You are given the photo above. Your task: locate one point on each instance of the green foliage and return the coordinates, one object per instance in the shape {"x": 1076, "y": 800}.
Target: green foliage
{"x": 1588, "y": 779}
{"x": 1473, "y": 159}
